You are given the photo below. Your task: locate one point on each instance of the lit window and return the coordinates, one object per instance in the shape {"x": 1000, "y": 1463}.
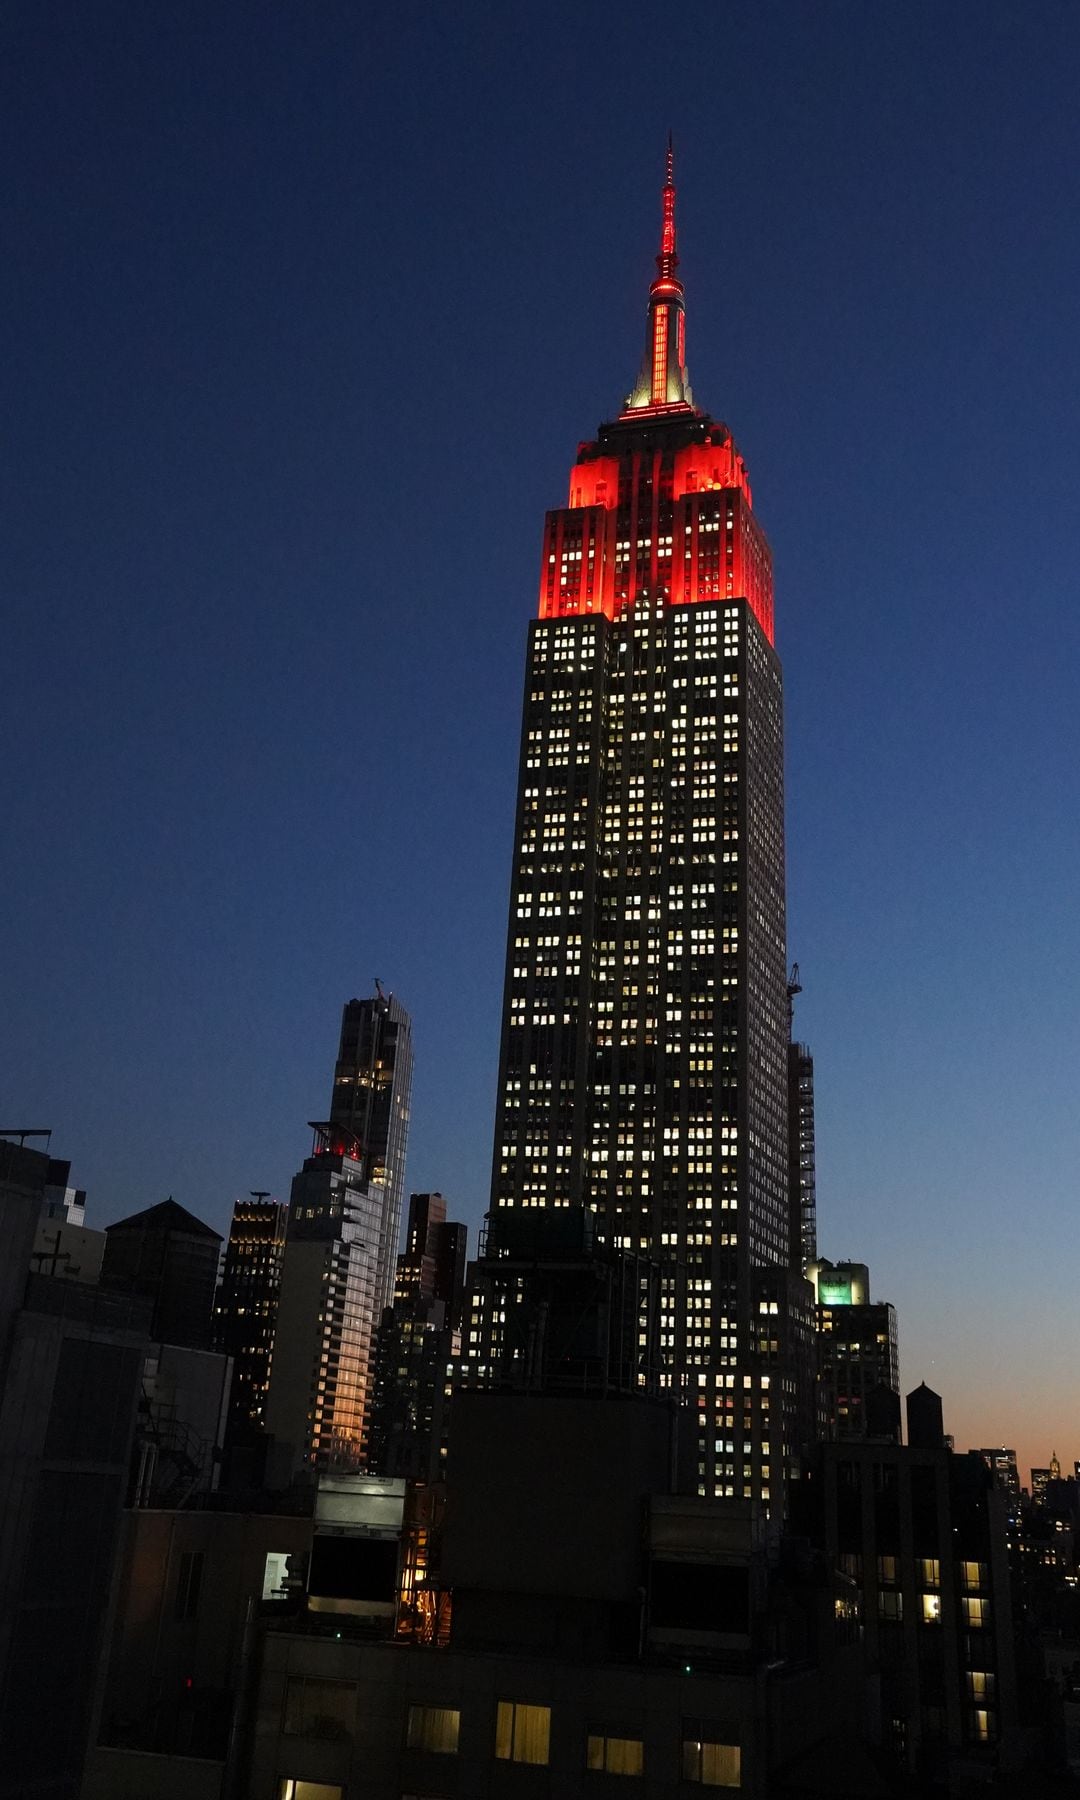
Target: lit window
{"x": 309, "y": 1790}
{"x": 931, "y": 1609}
{"x": 522, "y": 1732}
{"x": 276, "y": 1574}
{"x": 615, "y": 1755}
{"x": 708, "y": 1762}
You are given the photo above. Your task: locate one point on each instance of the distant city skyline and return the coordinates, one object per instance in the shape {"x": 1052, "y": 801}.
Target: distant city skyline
{"x": 272, "y": 572}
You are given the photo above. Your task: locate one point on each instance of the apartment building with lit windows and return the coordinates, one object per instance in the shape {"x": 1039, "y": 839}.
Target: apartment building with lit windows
{"x": 922, "y": 1533}
{"x": 598, "y": 1621}
{"x": 644, "y": 1055}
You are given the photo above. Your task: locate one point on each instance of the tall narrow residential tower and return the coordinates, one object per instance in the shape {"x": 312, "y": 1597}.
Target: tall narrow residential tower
{"x": 337, "y": 1274}
{"x": 643, "y": 1065}
{"x": 369, "y": 1105}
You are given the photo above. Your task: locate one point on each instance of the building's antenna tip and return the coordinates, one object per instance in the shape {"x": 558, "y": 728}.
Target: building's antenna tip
{"x": 670, "y": 160}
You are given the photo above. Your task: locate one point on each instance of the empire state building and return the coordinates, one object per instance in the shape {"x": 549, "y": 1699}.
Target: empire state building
{"x": 643, "y": 1065}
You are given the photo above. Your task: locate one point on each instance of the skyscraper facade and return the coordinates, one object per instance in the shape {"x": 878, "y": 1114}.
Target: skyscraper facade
{"x": 417, "y": 1337}
{"x": 369, "y": 1105}
{"x": 856, "y": 1349}
{"x": 341, "y": 1247}
{"x": 802, "y": 1157}
{"x": 321, "y": 1374}
{"x": 245, "y": 1310}
{"x": 643, "y": 1064}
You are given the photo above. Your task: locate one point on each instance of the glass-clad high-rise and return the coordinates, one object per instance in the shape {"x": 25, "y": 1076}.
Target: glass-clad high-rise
{"x": 643, "y": 1067}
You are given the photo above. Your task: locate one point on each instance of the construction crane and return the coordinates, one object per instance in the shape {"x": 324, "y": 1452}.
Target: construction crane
{"x": 794, "y": 986}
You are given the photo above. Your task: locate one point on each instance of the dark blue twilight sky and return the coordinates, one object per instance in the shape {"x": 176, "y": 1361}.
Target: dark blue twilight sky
{"x": 304, "y": 310}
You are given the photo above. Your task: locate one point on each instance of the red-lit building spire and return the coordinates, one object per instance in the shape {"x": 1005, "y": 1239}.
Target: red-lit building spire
{"x": 667, "y": 261}
{"x": 659, "y": 509}
{"x": 663, "y": 382}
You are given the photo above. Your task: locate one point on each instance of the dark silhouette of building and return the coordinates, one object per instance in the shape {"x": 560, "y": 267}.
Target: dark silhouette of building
{"x": 802, "y": 1157}
{"x": 170, "y": 1257}
{"x": 643, "y": 1061}
{"x": 925, "y": 1422}
{"x": 882, "y": 1414}
{"x": 857, "y": 1352}
{"x": 802, "y": 1145}
{"x": 922, "y": 1534}
{"x": 554, "y": 1307}
{"x": 432, "y": 1264}
{"x": 71, "y": 1357}
{"x": 418, "y": 1337}
{"x": 181, "y": 1642}
{"x": 1002, "y": 1465}
{"x": 245, "y": 1311}
{"x": 597, "y": 1620}
{"x": 369, "y": 1107}
{"x": 181, "y": 1426}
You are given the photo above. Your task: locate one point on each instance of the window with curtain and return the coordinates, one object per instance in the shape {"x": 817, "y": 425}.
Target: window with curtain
{"x": 291, "y": 1789}
{"x": 522, "y": 1732}
{"x": 321, "y": 1709}
{"x": 615, "y": 1755}
{"x": 707, "y": 1759}
{"x": 433, "y": 1728}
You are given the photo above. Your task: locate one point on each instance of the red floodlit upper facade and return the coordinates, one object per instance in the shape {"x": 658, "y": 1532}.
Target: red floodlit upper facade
{"x": 660, "y": 504}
